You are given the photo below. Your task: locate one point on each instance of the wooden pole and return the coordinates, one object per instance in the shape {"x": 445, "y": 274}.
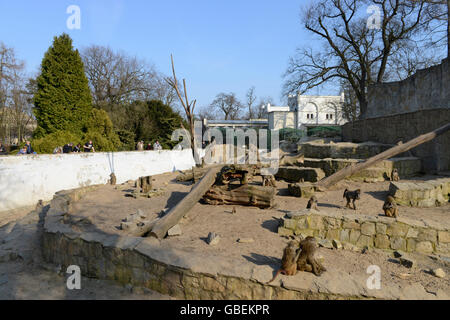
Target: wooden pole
{"x": 182, "y": 208}
{"x": 350, "y": 170}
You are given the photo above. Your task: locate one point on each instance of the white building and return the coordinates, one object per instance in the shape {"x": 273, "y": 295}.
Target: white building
{"x": 307, "y": 111}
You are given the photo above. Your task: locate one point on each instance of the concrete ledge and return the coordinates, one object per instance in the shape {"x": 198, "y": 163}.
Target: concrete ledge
{"x": 371, "y": 231}
{"x": 188, "y": 274}
{"x": 419, "y": 193}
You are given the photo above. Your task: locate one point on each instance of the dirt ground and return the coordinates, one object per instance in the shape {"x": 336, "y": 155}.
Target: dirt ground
{"x": 107, "y": 206}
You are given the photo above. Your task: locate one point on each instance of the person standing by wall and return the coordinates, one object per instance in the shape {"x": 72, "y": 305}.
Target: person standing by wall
{"x": 89, "y": 146}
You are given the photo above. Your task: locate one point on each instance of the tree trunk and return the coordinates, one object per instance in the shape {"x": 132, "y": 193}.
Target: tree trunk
{"x": 246, "y": 195}
{"x": 182, "y": 208}
{"x": 350, "y": 170}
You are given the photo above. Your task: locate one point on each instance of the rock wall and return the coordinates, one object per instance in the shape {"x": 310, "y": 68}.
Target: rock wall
{"x": 427, "y": 89}
{"x": 26, "y": 179}
{"x": 371, "y": 231}
{"x": 435, "y": 154}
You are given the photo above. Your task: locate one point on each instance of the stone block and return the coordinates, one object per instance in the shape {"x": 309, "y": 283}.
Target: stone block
{"x": 412, "y": 233}
{"x": 368, "y": 228}
{"x": 282, "y": 231}
{"x": 397, "y": 230}
{"x": 427, "y": 235}
{"x": 354, "y": 236}
{"x": 351, "y": 225}
{"x": 333, "y": 234}
{"x": 290, "y": 224}
{"x": 444, "y": 237}
{"x": 424, "y": 247}
{"x": 382, "y": 241}
{"x": 410, "y": 245}
{"x": 365, "y": 241}
{"x": 315, "y": 222}
{"x": 345, "y": 235}
{"x": 398, "y": 243}
{"x": 381, "y": 228}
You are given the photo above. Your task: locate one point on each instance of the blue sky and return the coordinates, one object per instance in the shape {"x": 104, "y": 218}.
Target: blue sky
{"x": 218, "y": 46}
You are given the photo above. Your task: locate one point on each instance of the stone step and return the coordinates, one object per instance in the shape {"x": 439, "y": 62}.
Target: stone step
{"x": 421, "y": 193}
{"x": 300, "y": 174}
{"x": 343, "y": 150}
{"x": 406, "y": 167}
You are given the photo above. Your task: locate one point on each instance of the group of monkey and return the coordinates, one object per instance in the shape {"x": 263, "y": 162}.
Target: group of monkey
{"x": 300, "y": 256}
{"x": 389, "y": 207}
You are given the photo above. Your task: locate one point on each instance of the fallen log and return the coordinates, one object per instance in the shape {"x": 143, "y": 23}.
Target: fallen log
{"x": 351, "y": 170}
{"x": 245, "y": 195}
{"x": 182, "y": 208}
{"x": 189, "y": 175}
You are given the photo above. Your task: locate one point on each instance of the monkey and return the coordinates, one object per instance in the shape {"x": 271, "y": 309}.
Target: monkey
{"x": 289, "y": 261}
{"x": 312, "y": 203}
{"x": 395, "y": 176}
{"x": 306, "y": 261}
{"x": 351, "y": 196}
{"x": 113, "y": 179}
{"x": 234, "y": 210}
{"x": 390, "y": 207}
{"x": 269, "y": 181}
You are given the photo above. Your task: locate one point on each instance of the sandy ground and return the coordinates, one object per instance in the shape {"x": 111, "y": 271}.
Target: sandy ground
{"x": 107, "y": 206}
{"x": 26, "y": 276}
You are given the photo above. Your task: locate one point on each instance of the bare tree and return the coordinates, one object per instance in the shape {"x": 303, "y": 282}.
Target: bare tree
{"x": 352, "y": 52}
{"x": 228, "y": 104}
{"x": 116, "y": 78}
{"x": 260, "y": 111}
{"x": 188, "y": 106}
{"x": 250, "y": 101}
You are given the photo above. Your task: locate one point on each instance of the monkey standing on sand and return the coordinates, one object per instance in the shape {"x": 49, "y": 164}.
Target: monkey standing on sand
{"x": 312, "y": 203}
{"x": 351, "y": 196}
{"x": 289, "y": 261}
{"x": 390, "y": 207}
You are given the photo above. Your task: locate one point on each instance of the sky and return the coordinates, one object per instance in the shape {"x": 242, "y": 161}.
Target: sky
{"x": 218, "y": 46}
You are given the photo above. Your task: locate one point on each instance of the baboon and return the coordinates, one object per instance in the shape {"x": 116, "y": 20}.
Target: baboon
{"x": 269, "y": 181}
{"x": 390, "y": 207}
{"x": 395, "y": 176}
{"x": 351, "y": 196}
{"x": 306, "y": 261}
{"x": 234, "y": 210}
{"x": 289, "y": 261}
{"x": 312, "y": 203}
{"x": 113, "y": 179}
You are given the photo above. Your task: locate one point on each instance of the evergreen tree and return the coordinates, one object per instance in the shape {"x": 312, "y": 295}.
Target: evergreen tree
{"x": 63, "y": 100}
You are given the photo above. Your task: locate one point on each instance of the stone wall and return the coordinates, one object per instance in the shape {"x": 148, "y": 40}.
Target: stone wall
{"x": 435, "y": 154}
{"x": 146, "y": 263}
{"x": 371, "y": 231}
{"x": 26, "y": 179}
{"x": 427, "y": 89}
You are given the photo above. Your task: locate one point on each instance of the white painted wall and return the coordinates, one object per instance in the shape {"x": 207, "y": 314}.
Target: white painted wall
{"x": 26, "y": 179}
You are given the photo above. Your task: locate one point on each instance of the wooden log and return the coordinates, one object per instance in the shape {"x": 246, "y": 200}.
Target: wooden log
{"x": 145, "y": 184}
{"x": 246, "y": 195}
{"x": 146, "y": 226}
{"x": 189, "y": 175}
{"x": 182, "y": 208}
{"x": 351, "y": 170}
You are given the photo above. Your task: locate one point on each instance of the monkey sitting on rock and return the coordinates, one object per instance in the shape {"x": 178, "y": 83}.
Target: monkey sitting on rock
{"x": 390, "y": 207}
{"x": 300, "y": 257}
{"x": 394, "y": 175}
{"x": 289, "y": 260}
{"x": 312, "y": 203}
{"x": 352, "y": 196}
{"x": 307, "y": 261}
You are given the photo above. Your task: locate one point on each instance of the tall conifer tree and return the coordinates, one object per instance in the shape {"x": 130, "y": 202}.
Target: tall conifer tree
{"x": 63, "y": 100}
